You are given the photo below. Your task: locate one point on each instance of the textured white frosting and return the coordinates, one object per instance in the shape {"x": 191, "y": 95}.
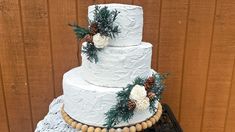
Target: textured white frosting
{"x": 129, "y": 20}
{"x": 118, "y": 66}
{"x": 87, "y": 103}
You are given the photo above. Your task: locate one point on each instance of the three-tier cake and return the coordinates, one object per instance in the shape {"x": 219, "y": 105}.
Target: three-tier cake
{"x": 94, "y": 90}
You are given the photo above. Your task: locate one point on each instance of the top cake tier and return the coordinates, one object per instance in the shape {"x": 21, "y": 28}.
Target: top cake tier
{"x": 129, "y": 20}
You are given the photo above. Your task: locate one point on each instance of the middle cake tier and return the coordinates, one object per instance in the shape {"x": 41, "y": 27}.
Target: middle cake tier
{"x": 87, "y": 103}
{"x": 118, "y": 66}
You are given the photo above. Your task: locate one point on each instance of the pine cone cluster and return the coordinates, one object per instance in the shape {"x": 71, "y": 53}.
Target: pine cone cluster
{"x": 93, "y": 28}
{"x": 131, "y": 105}
{"x": 149, "y": 83}
{"x": 88, "y": 38}
{"x": 151, "y": 95}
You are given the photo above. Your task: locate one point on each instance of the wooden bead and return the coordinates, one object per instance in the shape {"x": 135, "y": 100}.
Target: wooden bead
{"x": 132, "y": 129}
{"x": 112, "y": 130}
{"x": 104, "y": 130}
{"x": 153, "y": 120}
{"x": 138, "y": 127}
{"x": 144, "y": 125}
{"x": 149, "y": 123}
{"x": 70, "y": 121}
{"x": 78, "y": 126}
{"x": 119, "y": 130}
{"x": 156, "y": 117}
{"x": 125, "y": 129}
{"x": 66, "y": 118}
{"x": 98, "y": 129}
{"x": 84, "y": 128}
{"x": 90, "y": 129}
{"x": 73, "y": 124}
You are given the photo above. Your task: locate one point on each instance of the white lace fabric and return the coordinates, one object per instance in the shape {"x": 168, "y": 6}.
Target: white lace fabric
{"x": 53, "y": 121}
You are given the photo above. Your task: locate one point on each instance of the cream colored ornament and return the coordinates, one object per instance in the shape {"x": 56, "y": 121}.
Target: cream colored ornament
{"x": 73, "y": 124}
{"x": 144, "y": 125}
{"x": 138, "y": 93}
{"x": 143, "y": 104}
{"x": 90, "y": 129}
{"x": 84, "y": 128}
{"x": 149, "y": 123}
{"x": 78, "y": 126}
{"x": 132, "y": 129}
{"x": 125, "y": 129}
{"x": 100, "y": 41}
{"x": 138, "y": 127}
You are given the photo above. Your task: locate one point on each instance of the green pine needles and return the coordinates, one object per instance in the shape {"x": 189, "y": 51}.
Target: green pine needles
{"x": 120, "y": 111}
{"x": 103, "y": 23}
{"x": 105, "y": 20}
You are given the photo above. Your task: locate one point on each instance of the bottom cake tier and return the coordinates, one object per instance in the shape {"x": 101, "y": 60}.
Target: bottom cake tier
{"x": 87, "y": 103}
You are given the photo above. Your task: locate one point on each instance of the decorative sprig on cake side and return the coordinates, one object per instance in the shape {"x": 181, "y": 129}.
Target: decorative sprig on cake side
{"x": 98, "y": 33}
{"x": 141, "y": 95}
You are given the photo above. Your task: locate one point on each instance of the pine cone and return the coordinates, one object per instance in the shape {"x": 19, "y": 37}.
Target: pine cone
{"x": 151, "y": 95}
{"x": 88, "y": 38}
{"x": 131, "y": 105}
{"x": 93, "y": 28}
{"x": 149, "y": 83}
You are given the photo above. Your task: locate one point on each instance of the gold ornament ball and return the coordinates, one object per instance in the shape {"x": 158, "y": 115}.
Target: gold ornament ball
{"x": 153, "y": 120}
{"x": 149, "y": 123}
{"x": 73, "y": 124}
{"x": 125, "y": 129}
{"x": 112, "y": 130}
{"x": 90, "y": 129}
{"x": 98, "y": 129}
{"x": 132, "y": 129}
{"x": 104, "y": 130}
{"x": 138, "y": 127}
{"x": 84, "y": 128}
{"x": 144, "y": 125}
{"x": 78, "y": 126}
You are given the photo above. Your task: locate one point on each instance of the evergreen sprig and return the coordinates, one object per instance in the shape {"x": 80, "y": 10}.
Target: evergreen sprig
{"x": 79, "y": 31}
{"x": 91, "y": 52}
{"x": 105, "y": 20}
{"x": 120, "y": 111}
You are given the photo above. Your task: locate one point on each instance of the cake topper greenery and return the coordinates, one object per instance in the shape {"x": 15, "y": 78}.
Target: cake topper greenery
{"x": 98, "y": 33}
{"x": 141, "y": 95}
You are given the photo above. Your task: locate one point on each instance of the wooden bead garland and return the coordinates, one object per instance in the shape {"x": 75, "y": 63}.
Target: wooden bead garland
{"x": 138, "y": 127}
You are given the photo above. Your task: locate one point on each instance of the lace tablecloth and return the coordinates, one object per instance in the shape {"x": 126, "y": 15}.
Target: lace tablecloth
{"x": 53, "y": 121}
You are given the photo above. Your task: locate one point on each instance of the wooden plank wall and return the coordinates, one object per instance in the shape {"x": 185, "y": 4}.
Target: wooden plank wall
{"x": 192, "y": 39}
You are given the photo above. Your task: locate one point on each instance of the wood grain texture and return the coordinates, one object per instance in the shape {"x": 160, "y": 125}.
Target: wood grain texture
{"x": 171, "y": 48}
{"x": 82, "y": 11}
{"x": 196, "y": 60}
{"x": 220, "y": 68}
{"x": 152, "y": 10}
{"x": 63, "y": 39}
{"x": 14, "y": 72}
{"x": 4, "y": 126}
{"x": 230, "y": 116}
{"x": 37, "y": 41}
{"x": 119, "y": 1}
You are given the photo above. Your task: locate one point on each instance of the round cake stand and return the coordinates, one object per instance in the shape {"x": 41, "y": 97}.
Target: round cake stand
{"x": 54, "y": 121}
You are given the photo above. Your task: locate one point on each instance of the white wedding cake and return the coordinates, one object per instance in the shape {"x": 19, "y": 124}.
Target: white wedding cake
{"x": 90, "y": 91}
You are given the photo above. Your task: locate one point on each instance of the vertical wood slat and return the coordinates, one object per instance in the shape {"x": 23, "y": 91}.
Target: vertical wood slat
{"x": 4, "y": 124}
{"x": 82, "y": 11}
{"x": 171, "y": 48}
{"x": 38, "y": 54}
{"x": 14, "y": 71}
{"x": 220, "y": 68}
{"x": 64, "y": 45}
{"x": 200, "y": 26}
{"x": 230, "y": 116}
{"x": 151, "y": 27}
